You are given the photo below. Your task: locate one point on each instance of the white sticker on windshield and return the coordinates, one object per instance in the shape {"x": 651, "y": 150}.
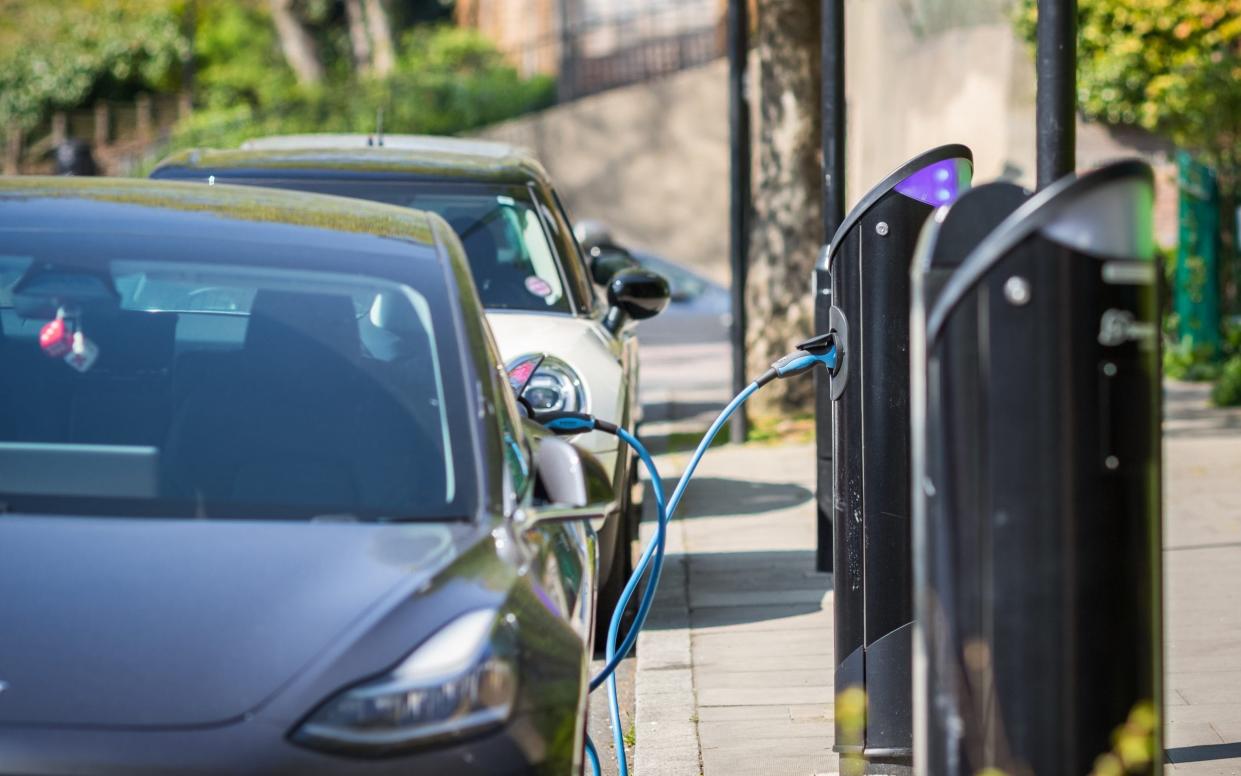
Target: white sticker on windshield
{"x": 538, "y": 286}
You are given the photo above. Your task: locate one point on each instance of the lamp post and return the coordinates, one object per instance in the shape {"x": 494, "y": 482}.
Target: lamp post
{"x": 739, "y": 196}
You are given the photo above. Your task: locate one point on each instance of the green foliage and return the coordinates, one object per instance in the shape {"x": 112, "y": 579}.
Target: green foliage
{"x": 65, "y": 53}
{"x": 1183, "y": 360}
{"x": 238, "y": 59}
{"x": 61, "y": 54}
{"x": 1171, "y": 66}
{"x": 447, "y": 80}
{"x": 1227, "y": 391}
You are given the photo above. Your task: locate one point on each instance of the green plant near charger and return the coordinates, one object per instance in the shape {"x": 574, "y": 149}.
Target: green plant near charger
{"x": 1227, "y": 390}
{"x": 1184, "y": 360}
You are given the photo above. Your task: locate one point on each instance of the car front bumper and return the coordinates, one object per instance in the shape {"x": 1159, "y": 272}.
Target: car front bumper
{"x": 255, "y": 747}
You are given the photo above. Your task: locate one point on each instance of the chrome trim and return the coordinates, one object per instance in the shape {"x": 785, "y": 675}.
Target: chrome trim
{"x": 532, "y": 517}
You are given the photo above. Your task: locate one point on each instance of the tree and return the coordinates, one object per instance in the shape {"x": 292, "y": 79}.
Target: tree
{"x": 1170, "y": 66}
{"x": 61, "y": 54}
{"x": 299, "y": 46}
{"x": 359, "y": 36}
{"x": 380, "y": 27}
{"x": 786, "y": 230}
{"x": 370, "y": 37}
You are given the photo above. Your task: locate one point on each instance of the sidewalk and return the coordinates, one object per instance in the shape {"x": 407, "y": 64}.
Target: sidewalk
{"x": 747, "y": 686}
{"x": 735, "y": 666}
{"x": 1202, "y": 584}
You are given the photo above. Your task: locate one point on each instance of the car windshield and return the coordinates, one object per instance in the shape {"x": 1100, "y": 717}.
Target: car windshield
{"x": 511, "y": 257}
{"x": 136, "y": 385}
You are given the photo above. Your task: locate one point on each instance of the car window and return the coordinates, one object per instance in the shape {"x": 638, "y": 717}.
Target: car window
{"x": 513, "y": 264}
{"x": 560, "y": 213}
{"x": 513, "y": 261}
{"x": 143, "y": 386}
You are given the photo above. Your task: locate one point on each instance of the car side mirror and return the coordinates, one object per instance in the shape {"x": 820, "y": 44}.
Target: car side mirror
{"x": 572, "y": 483}
{"x": 635, "y": 294}
{"x": 607, "y": 260}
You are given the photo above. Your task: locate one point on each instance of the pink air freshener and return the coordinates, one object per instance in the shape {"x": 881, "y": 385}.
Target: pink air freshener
{"x": 55, "y": 338}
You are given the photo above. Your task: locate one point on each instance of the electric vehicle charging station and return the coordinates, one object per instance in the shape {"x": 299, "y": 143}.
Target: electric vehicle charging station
{"x": 1037, "y": 463}
{"x": 868, "y": 263}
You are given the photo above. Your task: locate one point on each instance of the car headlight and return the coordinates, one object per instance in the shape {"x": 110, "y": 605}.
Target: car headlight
{"x": 460, "y": 682}
{"x": 554, "y": 386}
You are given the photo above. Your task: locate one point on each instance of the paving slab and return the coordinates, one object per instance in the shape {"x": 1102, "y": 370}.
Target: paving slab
{"x": 757, "y": 620}
{"x": 1202, "y": 584}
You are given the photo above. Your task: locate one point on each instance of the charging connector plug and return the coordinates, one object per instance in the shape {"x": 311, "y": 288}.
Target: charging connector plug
{"x": 570, "y": 423}
{"x": 820, "y": 349}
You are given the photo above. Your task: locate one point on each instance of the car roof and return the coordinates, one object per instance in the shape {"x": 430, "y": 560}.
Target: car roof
{"x": 403, "y": 156}
{"x": 428, "y": 143}
{"x": 192, "y": 209}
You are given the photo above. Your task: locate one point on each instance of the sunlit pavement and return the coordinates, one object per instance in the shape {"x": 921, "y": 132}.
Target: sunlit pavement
{"x": 734, "y": 671}
{"x": 601, "y": 720}
{"x": 1202, "y": 583}
{"x": 682, "y": 387}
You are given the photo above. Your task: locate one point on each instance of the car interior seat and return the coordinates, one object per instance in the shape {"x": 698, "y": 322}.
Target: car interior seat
{"x": 298, "y": 422}
{"x": 500, "y": 284}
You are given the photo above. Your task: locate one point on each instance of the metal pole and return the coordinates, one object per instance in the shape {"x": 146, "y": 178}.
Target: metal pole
{"x": 833, "y": 43}
{"x": 739, "y": 200}
{"x": 833, "y": 97}
{"x": 566, "y": 82}
{"x": 1056, "y": 99}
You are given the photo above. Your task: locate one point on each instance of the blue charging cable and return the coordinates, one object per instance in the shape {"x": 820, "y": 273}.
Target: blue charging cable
{"x": 817, "y": 350}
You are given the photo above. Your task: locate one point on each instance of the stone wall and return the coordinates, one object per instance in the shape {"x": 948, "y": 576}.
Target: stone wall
{"x": 650, "y": 160}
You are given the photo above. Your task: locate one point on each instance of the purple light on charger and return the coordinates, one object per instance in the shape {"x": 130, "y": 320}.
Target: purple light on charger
{"x": 939, "y": 183}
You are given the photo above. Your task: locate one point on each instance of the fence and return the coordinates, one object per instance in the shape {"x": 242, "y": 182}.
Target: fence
{"x": 120, "y": 134}
{"x": 589, "y": 53}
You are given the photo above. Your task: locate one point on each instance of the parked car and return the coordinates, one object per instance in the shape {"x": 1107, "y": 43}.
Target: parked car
{"x": 533, "y": 280}
{"x": 701, "y": 309}
{"x": 267, "y": 503}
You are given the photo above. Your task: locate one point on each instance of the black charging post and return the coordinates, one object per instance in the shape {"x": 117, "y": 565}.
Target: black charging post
{"x": 1038, "y": 473}
{"x": 868, "y": 262}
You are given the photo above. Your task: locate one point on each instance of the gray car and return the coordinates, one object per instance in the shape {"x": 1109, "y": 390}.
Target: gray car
{"x": 267, "y": 504}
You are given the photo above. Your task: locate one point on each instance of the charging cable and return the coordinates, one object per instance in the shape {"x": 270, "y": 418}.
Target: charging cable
{"x": 816, "y": 350}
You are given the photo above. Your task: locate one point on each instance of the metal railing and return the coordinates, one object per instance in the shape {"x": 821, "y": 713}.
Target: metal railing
{"x": 592, "y": 53}
{"x": 119, "y": 134}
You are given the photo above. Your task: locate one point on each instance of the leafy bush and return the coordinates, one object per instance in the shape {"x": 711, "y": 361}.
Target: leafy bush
{"x": 60, "y": 55}
{"x": 1171, "y": 66}
{"x": 64, "y": 53}
{"x": 1227, "y": 390}
{"x": 447, "y": 80}
{"x": 1184, "y": 361}
{"x": 237, "y": 57}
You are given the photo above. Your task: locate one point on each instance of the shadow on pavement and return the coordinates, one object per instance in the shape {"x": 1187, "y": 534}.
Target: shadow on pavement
{"x": 744, "y": 497}
{"x": 1203, "y": 753}
{"x": 660, "y": 411}
{"x": 1188, "y": 412}
{"x": 751, "y": 588}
